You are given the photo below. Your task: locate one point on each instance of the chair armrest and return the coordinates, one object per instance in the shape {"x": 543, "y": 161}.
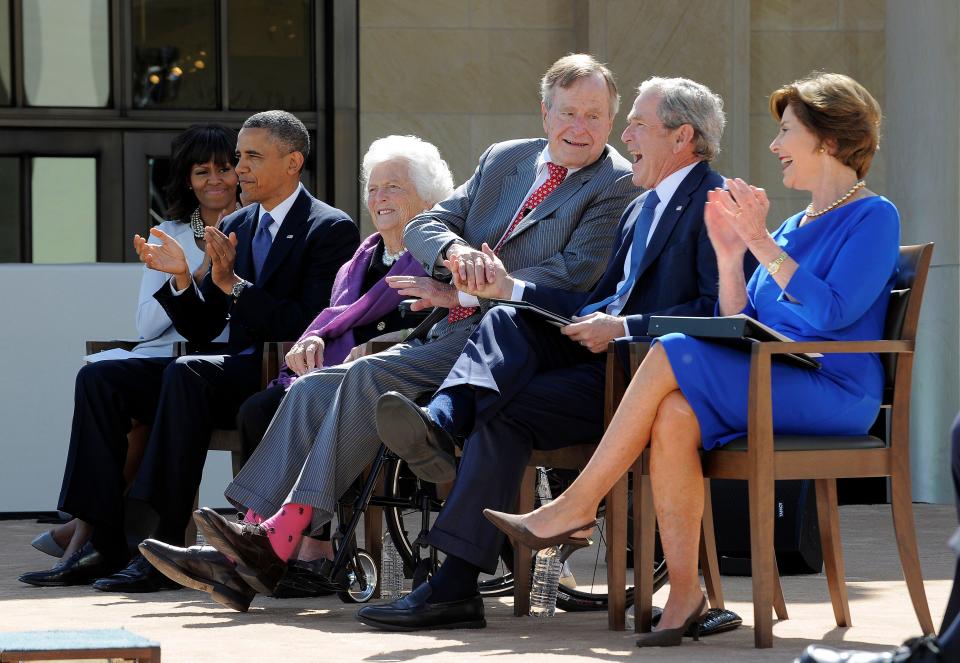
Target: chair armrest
{"x": 94, "y": 347}
{"x": 272, "y": 357}
{"x": 834, "y": 347}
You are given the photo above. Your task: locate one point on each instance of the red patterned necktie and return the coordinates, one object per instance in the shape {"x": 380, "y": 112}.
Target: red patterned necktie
{"x": 556, "y": 177}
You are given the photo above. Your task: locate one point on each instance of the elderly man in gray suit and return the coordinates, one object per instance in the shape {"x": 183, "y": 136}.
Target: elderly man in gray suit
{"x": 547, "y": 208}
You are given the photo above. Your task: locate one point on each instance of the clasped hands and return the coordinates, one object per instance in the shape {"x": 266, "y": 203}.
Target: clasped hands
{"x": 479, "y": 273}
{"x": 736, "y": 219}
{"x": 168, "y": 257}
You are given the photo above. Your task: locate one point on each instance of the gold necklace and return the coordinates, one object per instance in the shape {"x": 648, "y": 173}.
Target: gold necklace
{"x": 839, "y": 201}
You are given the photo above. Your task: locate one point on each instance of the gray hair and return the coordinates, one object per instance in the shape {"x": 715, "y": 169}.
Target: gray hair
{"x": 683, "y": 101}
{"x": 426, "y": 168}
{"x": 569, "y": 69}
{"x": 285, "y": 128}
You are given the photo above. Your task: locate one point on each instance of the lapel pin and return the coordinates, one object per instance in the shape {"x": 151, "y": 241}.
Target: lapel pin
{"x": 291, "y": 236}
{"x": 679, "y": 207}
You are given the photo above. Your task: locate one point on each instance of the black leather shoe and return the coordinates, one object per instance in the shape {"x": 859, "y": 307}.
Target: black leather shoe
{"x": 138, "y": 578}
{"x": 306, "y": 580}
{"x": 409, "y": 432}
{"x": 713, "y": 621}
{"x": 257, "y": 564}
{"x": 81, "y": 568}
{"x": 414, "y": 612}
{"x": 915, "y": 650}
{"x": 203, "y": 568}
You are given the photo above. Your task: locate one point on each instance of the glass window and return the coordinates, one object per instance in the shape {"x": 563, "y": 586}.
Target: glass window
{"x": 158, "y": 175}
{"x": 271, "y": 54}
{"x": 6, "y": 86}
{"x": 10, "y": 219}
{"x": 63, "y": 201}
{"x": 66, "y": 52}
{"x": 174, "y": 54}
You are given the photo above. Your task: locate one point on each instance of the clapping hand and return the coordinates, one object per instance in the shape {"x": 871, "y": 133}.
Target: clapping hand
{"x": 429, "y": 292}
{"x": 167, "y": 257}
{"x": 735, "y": 218}
{"x": 222, "y": 251}
{"x": 498, "y": 287}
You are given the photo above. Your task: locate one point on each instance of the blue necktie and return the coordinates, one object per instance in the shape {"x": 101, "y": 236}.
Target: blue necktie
{"x": 261, "y": 244}
{"x": 641, "y": 228}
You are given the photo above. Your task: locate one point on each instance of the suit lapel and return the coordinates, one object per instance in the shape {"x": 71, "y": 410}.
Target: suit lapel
{"x": 671, "y": 214}
{"x": 515, "y": 190}
{"x": 558, "y": 197}
{"x": 288, "y": 234}
{"x": 245, "y": 230}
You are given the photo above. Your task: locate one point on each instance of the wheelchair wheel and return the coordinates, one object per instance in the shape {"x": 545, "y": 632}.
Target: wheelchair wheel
{"x": 363, "y": 581}
{"x": 405, "y": 523}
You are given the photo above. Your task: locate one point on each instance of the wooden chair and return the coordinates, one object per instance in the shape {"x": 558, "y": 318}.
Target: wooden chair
{"x": 762, "y": 457}
{"x": 576, "y": 458}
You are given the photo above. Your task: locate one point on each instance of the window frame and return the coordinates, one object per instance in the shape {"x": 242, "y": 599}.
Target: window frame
{"x": 333, "y": 120}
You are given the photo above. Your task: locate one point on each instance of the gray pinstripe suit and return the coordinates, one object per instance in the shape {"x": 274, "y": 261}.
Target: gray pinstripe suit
{"x": 324, "y": 433}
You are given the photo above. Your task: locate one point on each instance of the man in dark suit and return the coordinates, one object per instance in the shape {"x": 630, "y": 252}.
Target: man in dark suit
{"x": 521, "y": 383}
{"x": 272, "y": 268}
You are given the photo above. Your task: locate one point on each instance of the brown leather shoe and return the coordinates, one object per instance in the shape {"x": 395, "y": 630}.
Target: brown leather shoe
{"x": 247, "y": 544}
{"x": 203, "y": 568}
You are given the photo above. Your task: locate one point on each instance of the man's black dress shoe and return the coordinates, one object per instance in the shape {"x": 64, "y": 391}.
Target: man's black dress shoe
{"x": 409, "y": 432}
{"x": 915, "y": 650}
{"x": 413, "y": 612}
{"x": 81, "y": 568}
{"x": 306, "y": 580}
{"x": 138, "y": 578}
{"x": 248, "y": 545}
{"x": 203, "y": 568}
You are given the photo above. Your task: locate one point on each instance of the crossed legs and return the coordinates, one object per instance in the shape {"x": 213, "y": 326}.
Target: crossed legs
{"x": 653, "y": 411}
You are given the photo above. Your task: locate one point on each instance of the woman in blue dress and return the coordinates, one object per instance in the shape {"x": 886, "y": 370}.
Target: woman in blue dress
{"x": 825, "y": 274}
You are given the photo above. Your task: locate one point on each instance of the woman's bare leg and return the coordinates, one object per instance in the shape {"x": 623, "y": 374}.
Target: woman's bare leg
{"x": 625, "y": 438}
{"x": 312, "y": 549}
{"x": 676, "y": 479}
{"x": 81, "y": 534}
{"x": 63, "y": 533}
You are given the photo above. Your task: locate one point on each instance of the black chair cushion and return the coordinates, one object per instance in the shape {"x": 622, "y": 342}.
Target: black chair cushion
{"x": 812, "y": 443}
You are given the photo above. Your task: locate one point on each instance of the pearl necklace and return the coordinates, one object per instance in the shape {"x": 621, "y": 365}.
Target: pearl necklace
{"x": 389, "y": 258}
{"x": 810, "y": 213}
{"x": 196, "y": 224}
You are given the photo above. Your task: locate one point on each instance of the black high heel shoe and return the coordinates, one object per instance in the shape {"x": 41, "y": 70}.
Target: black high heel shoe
{"x": 671, "y": 637}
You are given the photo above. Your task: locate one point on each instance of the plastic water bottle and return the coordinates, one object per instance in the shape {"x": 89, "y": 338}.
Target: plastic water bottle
{"x": 547, "y": 568}
{"x": 546, "y": 576}
{"x": 391, "y": 571}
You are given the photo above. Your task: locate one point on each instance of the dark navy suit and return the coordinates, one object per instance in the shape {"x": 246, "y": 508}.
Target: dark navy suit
{"x": 186, "y": 398}
{"x": 537, "y": 389}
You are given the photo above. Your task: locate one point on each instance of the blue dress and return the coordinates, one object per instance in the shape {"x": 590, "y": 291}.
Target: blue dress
{"x": 847, "y": 264}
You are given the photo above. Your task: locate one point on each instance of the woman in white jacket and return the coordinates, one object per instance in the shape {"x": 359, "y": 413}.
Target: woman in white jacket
{"x": 202, "y": 190}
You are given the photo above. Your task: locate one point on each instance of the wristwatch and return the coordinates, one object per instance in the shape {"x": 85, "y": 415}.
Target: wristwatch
{"x": 238, "y": 288}
{"x": 774, "y": 265}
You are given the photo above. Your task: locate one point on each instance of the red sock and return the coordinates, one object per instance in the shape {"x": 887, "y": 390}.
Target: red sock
{"x": 285, "y": 528}
{"x": 253, "y": 517}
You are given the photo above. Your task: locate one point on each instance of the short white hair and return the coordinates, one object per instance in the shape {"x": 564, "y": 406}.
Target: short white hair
{"x": 683, "y": 101}
{"x": 425, "y": 167}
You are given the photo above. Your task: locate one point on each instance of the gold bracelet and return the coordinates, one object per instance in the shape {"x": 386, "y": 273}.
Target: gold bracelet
{"x": 774, "y": 265}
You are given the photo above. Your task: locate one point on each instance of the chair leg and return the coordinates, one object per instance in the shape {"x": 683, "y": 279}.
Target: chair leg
{"x": 237, "y": 461}
{"x": 190, "y": 534}
{"x": 906, "y": 535}
{"x": 779, "y": 605}
{"x": 521, "y": 554}
{"x": 616, "y": 526}
{"x": 644, "y": 541}
{"x": 762, "y": 557}
{"x": 829, "y": 519}
{"x": 709, "y": 565}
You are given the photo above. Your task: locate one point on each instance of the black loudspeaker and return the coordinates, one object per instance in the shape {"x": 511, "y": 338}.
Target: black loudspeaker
{"x": 796, "y": 533}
